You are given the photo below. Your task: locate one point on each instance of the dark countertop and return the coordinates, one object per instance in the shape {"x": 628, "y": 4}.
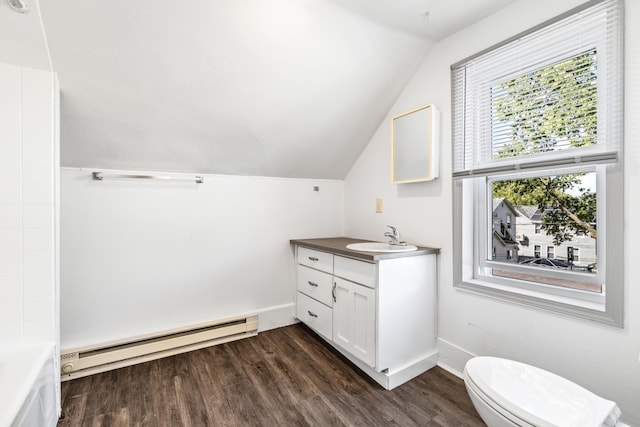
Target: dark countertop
{"x": 338, "y": 245}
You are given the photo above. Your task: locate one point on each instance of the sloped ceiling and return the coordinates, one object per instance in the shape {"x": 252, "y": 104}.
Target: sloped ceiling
{"x": 22, "y": 39}
{"x": 290, "y": 88}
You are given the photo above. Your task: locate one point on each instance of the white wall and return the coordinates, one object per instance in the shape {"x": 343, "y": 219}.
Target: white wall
{"x": 602, "y": 358}
{"x": 27, "y": 209}
{"x": 145, "y": 256}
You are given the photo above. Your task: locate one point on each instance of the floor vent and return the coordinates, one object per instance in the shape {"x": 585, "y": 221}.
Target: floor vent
{"x": 76, "y": 363}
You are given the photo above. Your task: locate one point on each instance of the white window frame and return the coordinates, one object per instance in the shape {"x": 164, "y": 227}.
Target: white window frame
{"x": 471, "y": 198}
{"x": 537, "y": 251}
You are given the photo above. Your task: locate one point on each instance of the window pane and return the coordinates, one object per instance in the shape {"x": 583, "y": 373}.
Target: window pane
{"x": 552, "y": 214}
{"x": 552, "y": 108}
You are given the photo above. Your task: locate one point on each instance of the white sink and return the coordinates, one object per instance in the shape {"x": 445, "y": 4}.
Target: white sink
{"x": 380, "y": 247}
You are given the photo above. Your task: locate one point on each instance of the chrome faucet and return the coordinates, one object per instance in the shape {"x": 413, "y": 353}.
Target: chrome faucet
{"x": 394, "y": 235}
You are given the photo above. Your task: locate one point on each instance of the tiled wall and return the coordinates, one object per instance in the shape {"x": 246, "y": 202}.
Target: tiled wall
{"x": 27, "y": 191}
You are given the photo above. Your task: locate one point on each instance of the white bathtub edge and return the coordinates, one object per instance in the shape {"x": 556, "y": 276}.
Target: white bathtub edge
{"x": 20, "y": 366}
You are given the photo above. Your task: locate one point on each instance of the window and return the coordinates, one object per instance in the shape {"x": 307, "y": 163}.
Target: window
{"x": 537, "y": 126}
{"x": 573, "y": 254}
{"x": 551, "y": 252}
{"x": 576, "y": 255}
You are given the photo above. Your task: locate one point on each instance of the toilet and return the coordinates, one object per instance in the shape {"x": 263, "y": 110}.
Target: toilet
{"x": 508, "y": 393}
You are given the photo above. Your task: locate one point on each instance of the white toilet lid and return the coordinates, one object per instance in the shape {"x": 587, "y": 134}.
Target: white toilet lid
{"x": 537, "y": 396}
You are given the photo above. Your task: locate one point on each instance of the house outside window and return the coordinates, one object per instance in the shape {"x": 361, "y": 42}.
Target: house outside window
{"x": 540, "y": 132}
{"x": 503, "y": 239}
{"x": 584, "y": 244}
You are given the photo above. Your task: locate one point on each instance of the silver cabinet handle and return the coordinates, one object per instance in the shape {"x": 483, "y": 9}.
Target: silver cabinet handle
{"x": 333, "y": 291}
{"x": 311, "y": 313}
{"x": 312, "y": 258}
{"x": 315, "y": 285}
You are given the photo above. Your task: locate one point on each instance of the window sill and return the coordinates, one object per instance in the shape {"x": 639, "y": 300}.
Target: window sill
{"x": 553, "y": 303}
{"x": 564, "y": 283}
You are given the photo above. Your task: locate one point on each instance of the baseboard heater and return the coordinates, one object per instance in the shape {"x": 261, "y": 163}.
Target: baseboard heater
{"x": 80, "y": 362}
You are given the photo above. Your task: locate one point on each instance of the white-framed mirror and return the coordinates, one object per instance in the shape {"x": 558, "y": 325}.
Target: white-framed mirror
{"x": 414, "y": 145}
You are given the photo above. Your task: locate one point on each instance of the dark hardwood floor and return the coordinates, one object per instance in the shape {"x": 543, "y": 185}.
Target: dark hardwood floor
{"x": 282, "y": 377}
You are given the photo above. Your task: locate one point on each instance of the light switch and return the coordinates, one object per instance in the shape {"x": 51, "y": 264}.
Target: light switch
{"x": 378, "y": 205}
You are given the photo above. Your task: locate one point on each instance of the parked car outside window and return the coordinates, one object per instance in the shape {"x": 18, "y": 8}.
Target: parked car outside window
{"x": 548, "y": 262}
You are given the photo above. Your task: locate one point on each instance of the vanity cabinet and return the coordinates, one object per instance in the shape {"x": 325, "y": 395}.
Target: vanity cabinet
{"x": 378, "y": 310}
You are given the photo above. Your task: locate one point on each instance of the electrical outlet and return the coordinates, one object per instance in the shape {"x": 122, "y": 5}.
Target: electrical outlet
{"x": 378, "y": 205}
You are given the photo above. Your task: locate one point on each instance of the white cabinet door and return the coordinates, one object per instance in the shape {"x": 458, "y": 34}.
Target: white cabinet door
{"x": 354, "y": 319}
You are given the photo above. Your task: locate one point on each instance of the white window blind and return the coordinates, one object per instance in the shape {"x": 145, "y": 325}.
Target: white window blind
{"x": 503, "y": 97}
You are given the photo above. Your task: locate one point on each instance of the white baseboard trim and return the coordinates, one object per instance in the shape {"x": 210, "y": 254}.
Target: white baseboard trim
{"x": 391, "y": 379}
{"x": 412, "y": 370}
{"x": 276, "y": 317}
{"x": 452, "y": 357}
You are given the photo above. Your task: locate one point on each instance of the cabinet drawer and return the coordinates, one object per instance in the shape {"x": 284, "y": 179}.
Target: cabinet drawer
{"x": 317, "y": 316}
{"x": 316, "y": 284}
{"x": 356, "y": 271}
{"x": 315, "y": 259}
